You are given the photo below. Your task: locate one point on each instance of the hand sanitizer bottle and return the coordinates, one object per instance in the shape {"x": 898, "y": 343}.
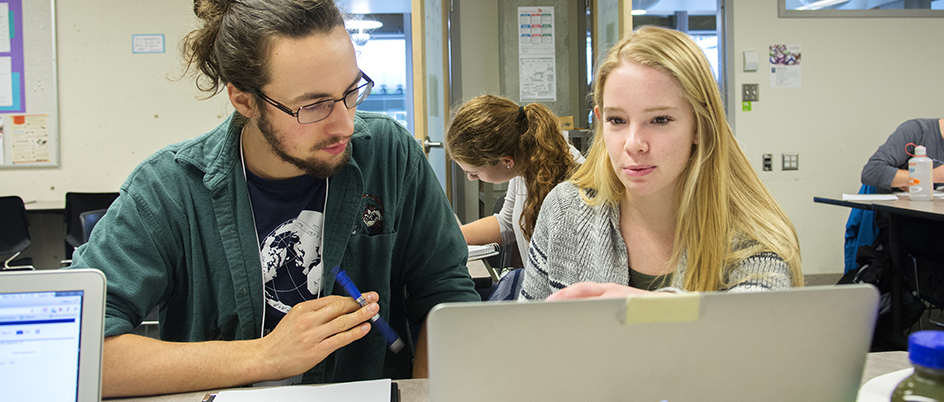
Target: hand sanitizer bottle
{"x": 920, "y": 171}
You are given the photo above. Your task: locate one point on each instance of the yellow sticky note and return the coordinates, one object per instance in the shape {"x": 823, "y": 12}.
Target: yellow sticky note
{"x": 663, "y": 307}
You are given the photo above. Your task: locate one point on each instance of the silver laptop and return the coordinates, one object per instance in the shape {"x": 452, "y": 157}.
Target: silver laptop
{"x": 51, "y": 326}
{"x": 804, "y": 344}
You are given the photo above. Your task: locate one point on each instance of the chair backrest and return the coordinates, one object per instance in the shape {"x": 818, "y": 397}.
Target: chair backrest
{"x": 76, "y": 204}
{"x": 89, "y": 219}
{"x": 15, "y": 236}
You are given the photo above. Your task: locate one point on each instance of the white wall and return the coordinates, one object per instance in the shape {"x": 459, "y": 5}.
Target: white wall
{"x": 862, "y": 77}
{"x": 115, "y": 107}
{"x": 479, "y": 72}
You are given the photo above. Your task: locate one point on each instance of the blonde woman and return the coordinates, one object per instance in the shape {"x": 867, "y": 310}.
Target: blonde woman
{"x": 666, "y": 199}
{"x": 494, "y": 140}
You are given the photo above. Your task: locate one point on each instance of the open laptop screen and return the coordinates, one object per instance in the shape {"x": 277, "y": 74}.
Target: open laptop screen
{"x": 40, "y": 345}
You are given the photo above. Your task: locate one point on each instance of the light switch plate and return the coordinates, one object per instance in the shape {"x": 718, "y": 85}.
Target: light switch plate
{"x": 750, "y": 92}
{"x": 791, "y": 161}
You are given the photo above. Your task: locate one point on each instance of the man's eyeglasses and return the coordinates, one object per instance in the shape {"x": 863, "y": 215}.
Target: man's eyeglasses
{"x": 320, "y": 110}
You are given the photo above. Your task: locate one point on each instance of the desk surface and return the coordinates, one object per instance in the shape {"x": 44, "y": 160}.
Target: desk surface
{"x": 933, "y": 209}
{"x": 479, "y": 271}
{"x": 417, "y": 390}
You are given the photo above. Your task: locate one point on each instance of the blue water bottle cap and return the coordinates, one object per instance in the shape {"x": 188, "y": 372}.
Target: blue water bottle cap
{"x": 926, "y": 349}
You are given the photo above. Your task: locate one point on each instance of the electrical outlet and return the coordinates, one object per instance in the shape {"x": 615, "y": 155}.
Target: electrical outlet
{"x": 750, "y": 92}
{"x": 791, "y": 161}
{"x": 768, "y": 162}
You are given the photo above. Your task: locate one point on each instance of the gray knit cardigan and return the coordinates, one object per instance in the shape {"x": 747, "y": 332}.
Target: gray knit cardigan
{"x": 575, "y": 242}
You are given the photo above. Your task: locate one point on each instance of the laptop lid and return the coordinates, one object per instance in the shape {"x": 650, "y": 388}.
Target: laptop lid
{"x": 802, "y": 344}
{"x": 51, "y": 325}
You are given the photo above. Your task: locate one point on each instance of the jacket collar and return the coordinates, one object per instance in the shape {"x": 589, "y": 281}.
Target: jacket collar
{"x": 215, "y": 153}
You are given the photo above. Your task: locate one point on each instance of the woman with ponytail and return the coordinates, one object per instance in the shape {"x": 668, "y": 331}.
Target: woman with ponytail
{"x": 494, "y": 140}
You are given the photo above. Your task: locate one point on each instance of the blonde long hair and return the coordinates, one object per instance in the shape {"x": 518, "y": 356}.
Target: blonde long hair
{"x": 721, "y": 200}
{"x": 489, "y": 127}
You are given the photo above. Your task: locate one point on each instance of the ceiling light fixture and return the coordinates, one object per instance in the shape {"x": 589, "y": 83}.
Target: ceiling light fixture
{"x": 362, "y": 24}
{"x": 357, "y": 27}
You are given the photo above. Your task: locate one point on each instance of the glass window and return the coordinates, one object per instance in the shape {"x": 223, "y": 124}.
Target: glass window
{"x": 384, "y": 61}
{"x": 861, "y": 8}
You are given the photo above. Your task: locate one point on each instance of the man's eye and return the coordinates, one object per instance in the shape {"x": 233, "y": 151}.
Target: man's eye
{"x": 315, "y": 106}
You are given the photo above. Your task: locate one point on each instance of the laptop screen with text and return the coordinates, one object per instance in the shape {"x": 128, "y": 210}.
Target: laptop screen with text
{"x": 39, "y": 344}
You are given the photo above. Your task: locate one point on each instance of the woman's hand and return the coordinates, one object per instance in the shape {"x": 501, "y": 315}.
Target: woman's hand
{"x": 584, "y": 290}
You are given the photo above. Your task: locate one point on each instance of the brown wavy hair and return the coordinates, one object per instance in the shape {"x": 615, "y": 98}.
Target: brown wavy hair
{"x": 488, "y": 127}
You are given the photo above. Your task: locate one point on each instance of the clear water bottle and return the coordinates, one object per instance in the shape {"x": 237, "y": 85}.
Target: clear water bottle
{"x": 926, "y": 352}
{"x": 920, "y": 171}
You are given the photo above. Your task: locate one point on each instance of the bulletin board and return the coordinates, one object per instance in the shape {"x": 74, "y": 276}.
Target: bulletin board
{"x": 29, "y": 112}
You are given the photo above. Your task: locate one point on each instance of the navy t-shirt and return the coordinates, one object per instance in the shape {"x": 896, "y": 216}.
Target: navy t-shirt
{"x": 289, "y": 216}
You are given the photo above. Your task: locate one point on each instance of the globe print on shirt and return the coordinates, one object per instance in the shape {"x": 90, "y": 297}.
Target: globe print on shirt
{"x": 291, "y": 261}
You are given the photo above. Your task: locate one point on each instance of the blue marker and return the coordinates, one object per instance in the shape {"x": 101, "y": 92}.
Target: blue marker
{"x": 393, "y": 340}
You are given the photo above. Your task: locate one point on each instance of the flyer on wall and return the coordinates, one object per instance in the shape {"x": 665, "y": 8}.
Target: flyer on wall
{"x": 537, "y": 62}
{"x": 785, "y": 71}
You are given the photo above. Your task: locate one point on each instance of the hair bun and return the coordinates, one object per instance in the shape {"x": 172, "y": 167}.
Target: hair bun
{"x": 210, "y": 9}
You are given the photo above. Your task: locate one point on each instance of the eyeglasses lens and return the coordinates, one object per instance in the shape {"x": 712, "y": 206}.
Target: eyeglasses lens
{"x": 321, "y": 110}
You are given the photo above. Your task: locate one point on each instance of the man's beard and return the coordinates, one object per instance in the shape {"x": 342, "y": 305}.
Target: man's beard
{"x": 311, "y": 166}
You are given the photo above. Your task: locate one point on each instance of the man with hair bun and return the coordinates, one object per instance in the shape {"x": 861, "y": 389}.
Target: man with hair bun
{"x": 233, "y": 234}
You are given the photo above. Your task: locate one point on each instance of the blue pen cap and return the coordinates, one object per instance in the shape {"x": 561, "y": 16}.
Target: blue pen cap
{"x": 926, "y": 349}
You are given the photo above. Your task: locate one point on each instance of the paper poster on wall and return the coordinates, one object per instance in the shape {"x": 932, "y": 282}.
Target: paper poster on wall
{"x": 785, "y": 70}
{"x": 537, "y": 79}
{"x": 30, "y": 137}
{"x": 147, "y": 43}
{"x": 4, "y": 27}
{"x": 537, "y": 60}
{"x": 12, "y": 93}
{"x": 6, "y": 81}
{"x": 536, "y": 30}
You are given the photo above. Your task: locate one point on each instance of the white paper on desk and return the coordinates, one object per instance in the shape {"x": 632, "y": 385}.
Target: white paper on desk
{"x": 869, "y": 197}
{"x": 880, "y": 388}
{"x": 936, "y": 194}
{"x": 365, "y": 391}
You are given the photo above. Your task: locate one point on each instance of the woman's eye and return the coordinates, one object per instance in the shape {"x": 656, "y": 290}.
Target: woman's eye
{"x": 614, "y": 120}
{"x": 662, "y": 120}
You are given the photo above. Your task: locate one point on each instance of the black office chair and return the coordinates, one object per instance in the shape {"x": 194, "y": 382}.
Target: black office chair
{"x": 15, "y": 236}
{"x": 89, "y": 219}
{"x": 76, "y": 204}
